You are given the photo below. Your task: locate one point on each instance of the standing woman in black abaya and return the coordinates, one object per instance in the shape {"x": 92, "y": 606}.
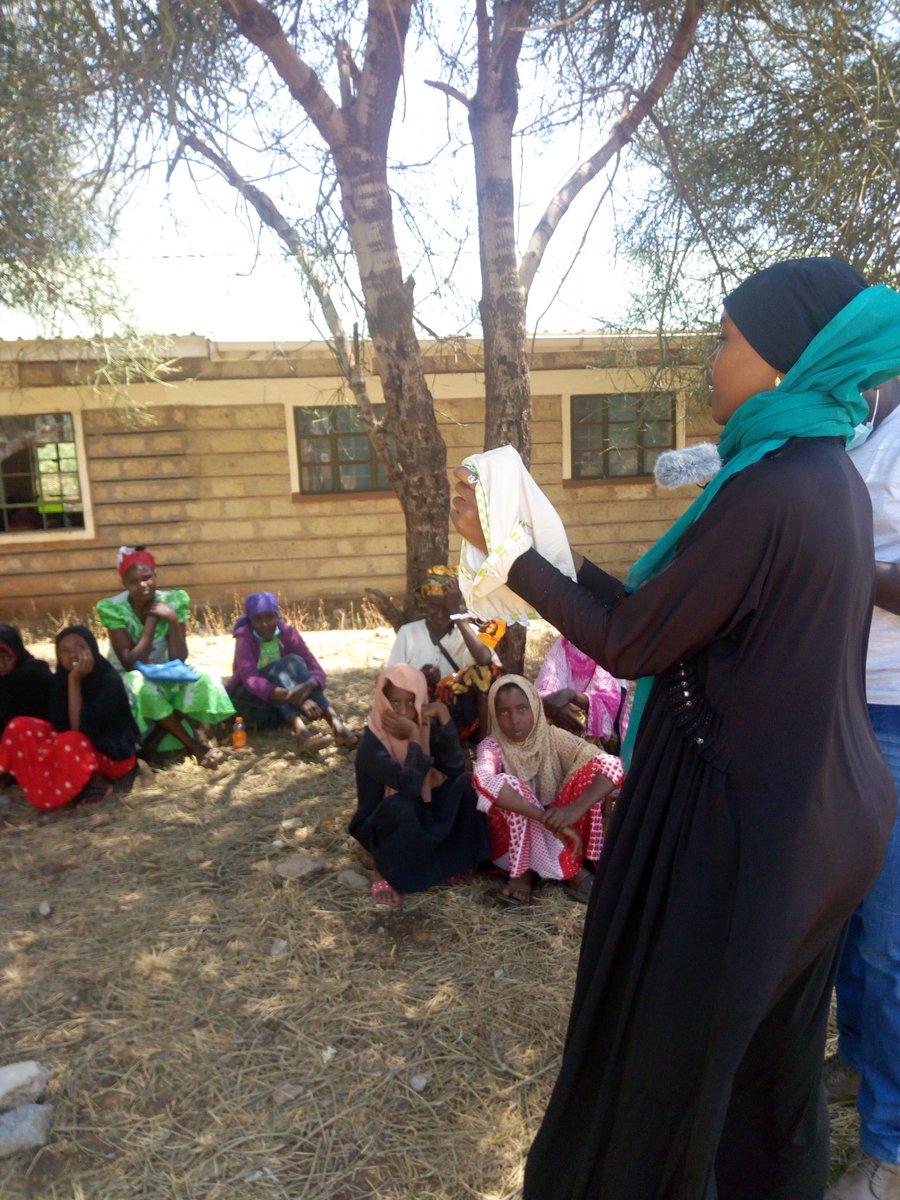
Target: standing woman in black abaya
{"x": 756, "y": 809}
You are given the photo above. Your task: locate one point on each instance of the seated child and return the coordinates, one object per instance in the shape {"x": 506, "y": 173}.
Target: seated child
{"x": 146, "y": 625}
{"x": 581, "y": 696}
{"x": 91, "y": 737}
{"x": 542, "y": 789}
{"x": 24, "y": 680}
{"x": 457, "y": 658}
{"x": 277, "y": 679}
{"x": 416, "y": 812}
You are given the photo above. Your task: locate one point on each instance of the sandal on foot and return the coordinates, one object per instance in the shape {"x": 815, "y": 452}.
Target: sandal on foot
{"x": 211, "y": 759}
{"x": 312, "y": 743}
{"x": 384, "y": 895}
{"x": 580, "y": 892}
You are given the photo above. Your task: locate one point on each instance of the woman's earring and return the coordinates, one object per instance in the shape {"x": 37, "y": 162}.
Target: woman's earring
{"x": 777, "y": 380}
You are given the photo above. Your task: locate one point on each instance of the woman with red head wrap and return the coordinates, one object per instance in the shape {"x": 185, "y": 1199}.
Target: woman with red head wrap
{"x": 146, "y": 626}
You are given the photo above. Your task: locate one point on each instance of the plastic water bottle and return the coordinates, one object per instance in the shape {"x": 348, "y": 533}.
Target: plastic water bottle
{"x": 239, "y": 734}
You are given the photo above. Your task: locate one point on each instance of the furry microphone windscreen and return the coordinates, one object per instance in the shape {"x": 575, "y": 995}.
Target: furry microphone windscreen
{"x": 694, "y": 464}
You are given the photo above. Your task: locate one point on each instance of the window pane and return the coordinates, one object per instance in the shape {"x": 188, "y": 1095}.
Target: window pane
{"x": 354, "y": 448}
{"x": 316, "y": 479}
{"x": 586, "y": 408}
{"x": 657, "y": 433}
{"x": 622, "y": 436}
{"x": 588, "y": 465}
{"x": 346, "y": 419}
{"x": 356, "y": 478}
{"x": 313, "y": 451}
{"x": 622, "y": 464}
{"x": 622, "y": 408}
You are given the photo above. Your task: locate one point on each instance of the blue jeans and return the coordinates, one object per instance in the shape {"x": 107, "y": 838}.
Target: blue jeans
{"x": 286, "y": 672}
{"x": 868, "y": 982}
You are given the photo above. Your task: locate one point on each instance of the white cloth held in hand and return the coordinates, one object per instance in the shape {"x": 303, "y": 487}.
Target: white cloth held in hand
{"x": 515, "y": 515}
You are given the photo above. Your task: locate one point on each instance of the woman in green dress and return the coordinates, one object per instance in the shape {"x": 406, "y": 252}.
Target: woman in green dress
{"x": 146, "y": 628}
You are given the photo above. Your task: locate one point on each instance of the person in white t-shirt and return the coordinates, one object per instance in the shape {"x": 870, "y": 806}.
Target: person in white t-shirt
{"x": 867, "y": 1065}
{"x": 456, "y": 658}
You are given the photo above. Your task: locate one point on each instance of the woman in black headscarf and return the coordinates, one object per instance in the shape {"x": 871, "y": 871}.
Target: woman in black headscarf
{"x": 90, "y": 738}
{"x": 24, "y": 680}
{"x": 757, "y": 806}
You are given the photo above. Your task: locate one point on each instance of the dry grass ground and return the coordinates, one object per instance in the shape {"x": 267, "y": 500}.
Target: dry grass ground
{"x": 191, "y": 1063}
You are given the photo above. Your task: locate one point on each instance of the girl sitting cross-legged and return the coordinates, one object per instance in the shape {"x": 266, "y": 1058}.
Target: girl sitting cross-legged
{"x": 542, "y": 789}
{"x": 91, "y": 737}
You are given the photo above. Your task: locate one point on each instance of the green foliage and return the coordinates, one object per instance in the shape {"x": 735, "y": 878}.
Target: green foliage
{"x": 780, "y": 137}
{"x": 50, "y": 223}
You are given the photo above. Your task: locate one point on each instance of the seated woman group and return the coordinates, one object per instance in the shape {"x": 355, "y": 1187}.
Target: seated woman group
{"x": 536, "y": 808}
{"x": 276, "y": 677}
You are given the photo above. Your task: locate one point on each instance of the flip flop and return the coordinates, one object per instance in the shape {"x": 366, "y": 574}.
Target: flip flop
{"x": 384, "y": 895}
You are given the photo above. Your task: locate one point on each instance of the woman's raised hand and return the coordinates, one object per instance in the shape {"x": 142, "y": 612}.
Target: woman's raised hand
{"x": 436, "y": 710}
{"x": 162, "y": 612}
{"x": 464, "y": 511}
{"x": 82, "y": 664}
{"x": 400, "y": 727}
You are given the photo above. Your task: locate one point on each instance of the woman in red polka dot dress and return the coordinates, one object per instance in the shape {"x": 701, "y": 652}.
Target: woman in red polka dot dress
{"x": 90, "y": 738}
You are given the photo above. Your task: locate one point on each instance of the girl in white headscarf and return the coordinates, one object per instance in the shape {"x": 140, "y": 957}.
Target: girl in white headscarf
{"x": 542, "y": 788}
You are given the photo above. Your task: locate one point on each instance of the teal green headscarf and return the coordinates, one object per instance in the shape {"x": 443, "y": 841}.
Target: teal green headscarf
{"x": 818, "y": 397}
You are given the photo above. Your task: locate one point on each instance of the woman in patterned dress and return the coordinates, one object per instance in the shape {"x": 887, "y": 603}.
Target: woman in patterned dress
{"x": 542, "y": 788}
{"x": 146, "y": 625}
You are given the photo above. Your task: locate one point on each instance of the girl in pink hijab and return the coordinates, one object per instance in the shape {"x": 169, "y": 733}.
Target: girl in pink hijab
{"x": 416, "y": 813}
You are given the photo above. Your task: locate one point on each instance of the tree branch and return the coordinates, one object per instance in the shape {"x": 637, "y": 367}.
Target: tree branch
{"x": 622, "y": 132}
{"x": 450, "y": 91}
{"x": 272, "y": 217}
{"x": 387, "y": 25}
{"x": 261, "y": 27}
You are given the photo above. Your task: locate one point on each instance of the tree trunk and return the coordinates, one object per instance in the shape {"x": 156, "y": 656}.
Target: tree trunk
{"x": 492, "y": 116}
{"x": 413, "y": 451}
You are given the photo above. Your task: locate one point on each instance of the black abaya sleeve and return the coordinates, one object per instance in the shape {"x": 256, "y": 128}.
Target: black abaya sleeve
{"x": 446, "y": 748}
{"x": 374, "y": 763}
{"x": 710, "y": 587}
{"x": 603, "y": 585}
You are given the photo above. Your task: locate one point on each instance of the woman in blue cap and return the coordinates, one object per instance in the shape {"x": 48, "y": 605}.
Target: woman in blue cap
{"x": 276, "y": 678}
{"x": 756, "y": 809}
